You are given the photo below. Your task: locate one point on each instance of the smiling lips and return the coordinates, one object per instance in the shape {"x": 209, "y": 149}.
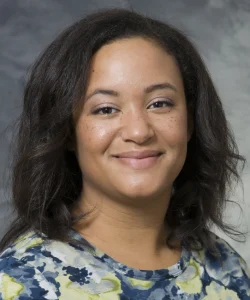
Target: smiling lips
{"x": 139, "y": 159}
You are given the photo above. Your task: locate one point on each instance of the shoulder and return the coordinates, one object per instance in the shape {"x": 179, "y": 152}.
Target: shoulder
{"x": 26, "y": 250}
{"x": 228, "y": 258}
{"x": 22, "y": 267}
{"x": 227, "y": 271}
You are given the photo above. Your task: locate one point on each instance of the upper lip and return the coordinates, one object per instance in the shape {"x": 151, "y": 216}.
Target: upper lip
{"x": 138, "y": 154}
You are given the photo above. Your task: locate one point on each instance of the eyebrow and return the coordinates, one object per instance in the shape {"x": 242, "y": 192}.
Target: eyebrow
{"x": 147, "y": 90}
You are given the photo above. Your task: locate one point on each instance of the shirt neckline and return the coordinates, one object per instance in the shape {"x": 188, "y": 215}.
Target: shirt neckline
{"x": 165, "y": 273}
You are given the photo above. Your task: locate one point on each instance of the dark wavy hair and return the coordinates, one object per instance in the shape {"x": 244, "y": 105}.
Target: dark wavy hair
{"x": 46, "y": 179}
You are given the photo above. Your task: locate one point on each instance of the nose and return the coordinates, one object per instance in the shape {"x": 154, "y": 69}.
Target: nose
{"x": 136, "y": 127}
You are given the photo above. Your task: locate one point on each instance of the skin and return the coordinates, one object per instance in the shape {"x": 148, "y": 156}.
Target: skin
{"x": 129, "y": 205}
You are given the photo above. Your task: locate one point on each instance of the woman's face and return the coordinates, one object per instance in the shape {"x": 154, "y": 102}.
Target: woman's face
{"x": 132, "y": 131}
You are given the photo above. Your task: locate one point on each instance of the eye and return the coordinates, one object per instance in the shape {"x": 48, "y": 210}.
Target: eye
{"x": 160, "y": 104}
{"x": 107, "y": 110}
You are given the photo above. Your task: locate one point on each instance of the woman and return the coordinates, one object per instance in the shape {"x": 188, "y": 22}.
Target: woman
{"x": 124, "y": 156}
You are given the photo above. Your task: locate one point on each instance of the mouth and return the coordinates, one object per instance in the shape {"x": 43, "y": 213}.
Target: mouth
{"x": 141, "y": 162}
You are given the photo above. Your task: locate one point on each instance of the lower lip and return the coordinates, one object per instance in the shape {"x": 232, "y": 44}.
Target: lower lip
{"x": 142, "y": 163}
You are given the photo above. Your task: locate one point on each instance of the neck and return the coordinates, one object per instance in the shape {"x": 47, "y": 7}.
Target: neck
{"x": 123, "y": 231}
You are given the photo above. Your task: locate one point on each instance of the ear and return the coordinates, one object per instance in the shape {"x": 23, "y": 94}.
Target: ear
{"x": 71, "y": 145}
{"x": 190, "y": 123}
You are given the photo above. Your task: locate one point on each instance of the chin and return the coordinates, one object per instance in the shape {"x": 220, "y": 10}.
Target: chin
{"x": 142, "y": 191}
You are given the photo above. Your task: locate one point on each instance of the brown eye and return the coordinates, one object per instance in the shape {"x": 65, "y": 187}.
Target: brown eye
{"x": 160, "y": 104}
{"x": 107, "y": 110}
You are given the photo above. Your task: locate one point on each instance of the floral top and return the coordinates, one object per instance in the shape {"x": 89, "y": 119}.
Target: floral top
{"x": 38, "y": 268}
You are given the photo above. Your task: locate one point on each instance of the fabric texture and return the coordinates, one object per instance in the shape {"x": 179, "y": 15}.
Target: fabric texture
{"x": 37, "y": 268}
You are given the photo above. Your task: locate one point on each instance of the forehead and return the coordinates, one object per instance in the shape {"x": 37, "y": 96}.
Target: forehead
{"x": 133, "y": 61}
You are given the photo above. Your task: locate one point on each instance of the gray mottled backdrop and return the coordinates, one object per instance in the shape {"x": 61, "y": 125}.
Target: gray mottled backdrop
{"x": 220, "y": 29}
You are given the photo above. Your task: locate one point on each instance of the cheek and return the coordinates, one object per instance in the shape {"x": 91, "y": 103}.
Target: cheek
{"x": 175, "y": 130}
{"x": 93, "y": 137}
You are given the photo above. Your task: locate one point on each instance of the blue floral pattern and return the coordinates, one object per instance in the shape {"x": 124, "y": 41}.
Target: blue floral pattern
{"x": 37, "y": 268}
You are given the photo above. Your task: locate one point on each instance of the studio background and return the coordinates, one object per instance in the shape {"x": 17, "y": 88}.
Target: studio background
{"x": 220, "y": 29}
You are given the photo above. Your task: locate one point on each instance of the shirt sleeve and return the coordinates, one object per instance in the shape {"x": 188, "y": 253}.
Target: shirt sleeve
{"x": 21, "y": 281}
{"x": 235, "y": 266}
